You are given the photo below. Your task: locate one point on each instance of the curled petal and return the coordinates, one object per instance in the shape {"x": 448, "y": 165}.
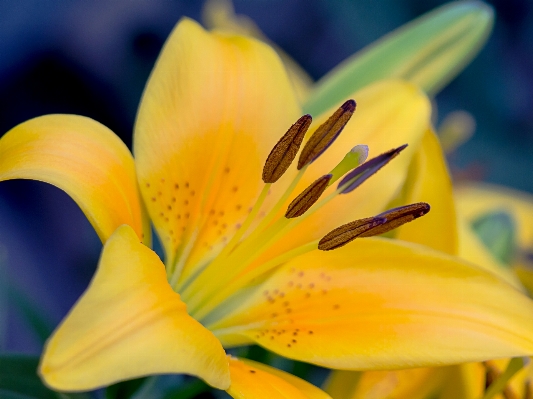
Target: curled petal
{"x": 383, "y": 304}
{"x": 83, "y": 158}
{"x": 429, "y": 181}
{"x": 129, "y": 323}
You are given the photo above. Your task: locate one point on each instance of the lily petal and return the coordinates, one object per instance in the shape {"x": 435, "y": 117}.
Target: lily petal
{"x": 397, "y": 384}
{"x": 212, "y": 110}
{"x": 220, "y": 15}
{"x": 129, "y": 323}
{"x": 429, "y": 181}
{"x": 383, "y": 304}
{"x": 83, "y": 158}
{"x": 252, "y": 380}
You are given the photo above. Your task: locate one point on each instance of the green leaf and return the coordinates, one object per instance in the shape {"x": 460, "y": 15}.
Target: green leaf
{"x": 19, "y": 379}
{"x": 429, "y": 51}
{"x": 497, "y": 230}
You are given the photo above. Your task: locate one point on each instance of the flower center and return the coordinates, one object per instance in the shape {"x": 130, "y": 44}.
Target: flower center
{"x": 228, "y": 277}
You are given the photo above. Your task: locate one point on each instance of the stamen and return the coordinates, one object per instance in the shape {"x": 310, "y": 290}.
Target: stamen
{"x": 308, "y": 197}
{"x": 372, "y": 226}
{"x": 326, "y": 134}
{"x": 284, "y": 152}
{"x": 348, "y": 232}
{"x": 360, "y": 174}
{"x": 397, "y": 216}
{"x": 355, "y": 157}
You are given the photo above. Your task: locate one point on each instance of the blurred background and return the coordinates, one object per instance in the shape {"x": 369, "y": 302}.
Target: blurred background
{"x": 93, "y": 59}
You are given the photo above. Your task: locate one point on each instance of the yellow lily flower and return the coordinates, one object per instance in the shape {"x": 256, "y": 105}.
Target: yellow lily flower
{"x": 212, "y": 110}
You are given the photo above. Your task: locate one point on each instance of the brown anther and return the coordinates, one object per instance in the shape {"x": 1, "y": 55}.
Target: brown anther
{"x": 359, "y": 175}
{"x": 326, "y": 134}
{"x": 372, "y": 226}
{"x": 397, "y": 216}
{"x": 346, "y": 233}
{"x": 308, "y": 197}
{"x": 284, "y": 152}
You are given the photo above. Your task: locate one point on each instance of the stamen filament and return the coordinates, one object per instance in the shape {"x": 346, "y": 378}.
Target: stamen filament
{"x": 245, "y": 278}
{"x": 177, "y": 267}
{"x": 261, "y": 239}
{"x": 258, "y": 231}
{"x": 246, "y": 224}
{"x": 219, "y": 259}
{"x": 281, "y": 202}
{"x": 250, "y": 250}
